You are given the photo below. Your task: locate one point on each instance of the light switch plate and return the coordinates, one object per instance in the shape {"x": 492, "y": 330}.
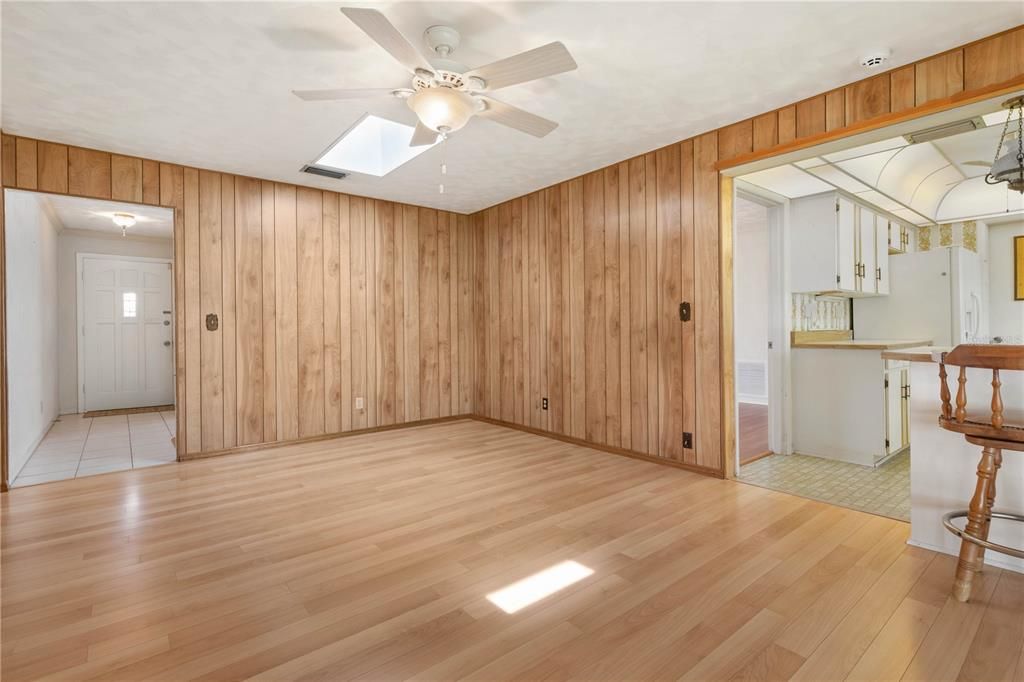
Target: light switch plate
{"x": 359, "y": 403}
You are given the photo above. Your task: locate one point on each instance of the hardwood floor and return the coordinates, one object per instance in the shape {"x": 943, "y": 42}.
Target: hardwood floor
{"x": 371, "y": 557}
{"x": 752, "y": 439}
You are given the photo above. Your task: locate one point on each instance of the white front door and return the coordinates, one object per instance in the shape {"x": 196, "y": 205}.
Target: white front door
{"x": 126, "y": 322}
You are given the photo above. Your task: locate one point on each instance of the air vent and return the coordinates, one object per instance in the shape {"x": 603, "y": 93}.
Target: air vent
{"x": 325, "y": 172}
{"x": 939, "y": 132}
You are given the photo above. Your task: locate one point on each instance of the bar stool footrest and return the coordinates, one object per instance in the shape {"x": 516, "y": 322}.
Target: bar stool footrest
{"x": 947, "y": 521}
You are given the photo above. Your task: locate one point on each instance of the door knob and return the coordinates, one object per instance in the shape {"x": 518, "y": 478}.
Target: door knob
{"x": 167, "y": 343}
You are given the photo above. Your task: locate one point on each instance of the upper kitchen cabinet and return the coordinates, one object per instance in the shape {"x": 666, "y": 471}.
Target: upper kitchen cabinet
{"x": 839, "y": 246}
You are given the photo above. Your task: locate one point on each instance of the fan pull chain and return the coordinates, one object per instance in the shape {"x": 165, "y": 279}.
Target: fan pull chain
{"x": 444, "y": 164}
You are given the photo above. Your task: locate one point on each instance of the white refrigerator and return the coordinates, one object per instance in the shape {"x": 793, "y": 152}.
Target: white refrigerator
{"x": 938, "y": 294}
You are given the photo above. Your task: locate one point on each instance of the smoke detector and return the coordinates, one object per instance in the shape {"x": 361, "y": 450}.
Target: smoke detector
{"x": 874, "y": 59}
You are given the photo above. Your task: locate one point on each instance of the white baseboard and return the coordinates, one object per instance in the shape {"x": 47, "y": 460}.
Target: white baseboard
{"x": 991, "y": 558}
{"x": 32, "y": 449}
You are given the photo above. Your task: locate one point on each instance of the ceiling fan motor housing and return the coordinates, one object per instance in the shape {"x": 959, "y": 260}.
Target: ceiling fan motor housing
{"x": 441, "y": 39}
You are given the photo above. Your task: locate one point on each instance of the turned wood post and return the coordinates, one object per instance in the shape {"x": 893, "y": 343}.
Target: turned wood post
{"x": 961, "y": 396}
{"x": 947, "y": 408}
{"x": 997, "y": 400}
{"x": 972, "y": 556}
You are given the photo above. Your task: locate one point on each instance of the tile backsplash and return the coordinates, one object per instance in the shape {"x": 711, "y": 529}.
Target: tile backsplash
{"x": 812, "y": 313}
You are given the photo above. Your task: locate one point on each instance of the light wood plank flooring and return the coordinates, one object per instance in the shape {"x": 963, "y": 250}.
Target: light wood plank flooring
{"x": 371, "y": 557}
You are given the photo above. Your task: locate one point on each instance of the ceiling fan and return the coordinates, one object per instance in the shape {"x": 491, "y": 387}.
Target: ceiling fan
{"x": 446, "y": 94}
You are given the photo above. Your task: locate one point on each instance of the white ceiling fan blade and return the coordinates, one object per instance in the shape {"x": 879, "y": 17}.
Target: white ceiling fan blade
{"x": 514, "y": 117}
{"x": 540, "y": 62}
{"x": 983, "y": 164}
{"x": 377, "y": 26}
{"x": 422, "y": 136}
{"x": 341, "y": 93}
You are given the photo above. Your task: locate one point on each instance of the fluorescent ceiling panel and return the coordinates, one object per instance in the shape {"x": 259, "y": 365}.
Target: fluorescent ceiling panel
{"x": 996, "y": 118}
{"x": 909, "y": 216}
{"x": 931, "y": 190}
{"x": 373, "y": 146}
{"x": 868, "y": 149}
{"x": 789, "y": 181}
{"x": 868, "y": 168}
{"x": 880, "y": 200}
{"x": 907, "y": 169}
{"x": 838, "y": 178}
{"x": 974, "y": 197}
{"x": 811, "y": 163}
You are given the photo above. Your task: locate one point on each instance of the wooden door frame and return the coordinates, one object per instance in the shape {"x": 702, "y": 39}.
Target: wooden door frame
{"x": 80, "y": 259}
{"x": 729, "y": 169}
{"x": 4, "y": 395}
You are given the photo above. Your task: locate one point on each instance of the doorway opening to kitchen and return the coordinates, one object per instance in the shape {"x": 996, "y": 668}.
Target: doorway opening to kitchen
{"x": 90, "y": 336}
{"x": 890, "y": 246}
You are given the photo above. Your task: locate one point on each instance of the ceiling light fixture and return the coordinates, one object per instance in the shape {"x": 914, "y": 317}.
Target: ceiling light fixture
{"x": 442, "y": 109}
{"x": 124, "y": 221}
{"x": 1009, "y": 167}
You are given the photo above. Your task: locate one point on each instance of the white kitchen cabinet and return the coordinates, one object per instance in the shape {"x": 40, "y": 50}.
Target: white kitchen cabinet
{"x": 897, "y": 408}
{"x": 898, "y": 237}
{"x": 882, "y": 227}
{"x": 838, "y": 246}
{"x": 865, "y": 251}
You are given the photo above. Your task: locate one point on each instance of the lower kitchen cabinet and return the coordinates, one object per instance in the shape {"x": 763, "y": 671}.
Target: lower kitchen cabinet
{"x": 849, "y": 404}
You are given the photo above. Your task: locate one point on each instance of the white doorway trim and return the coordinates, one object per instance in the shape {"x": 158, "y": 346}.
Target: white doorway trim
{"x": 80, "y": 259}
{"x": 777, "y": 377}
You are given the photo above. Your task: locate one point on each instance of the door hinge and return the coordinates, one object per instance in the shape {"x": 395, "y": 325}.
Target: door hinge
{"x": 839, "y": 279}
{"x": 886, "y": 443}
{"x": 687, "y": 440}
{"x": 887, "y": 383}
{"x": 837, "y": 207}
{"x": 685, "y": 312}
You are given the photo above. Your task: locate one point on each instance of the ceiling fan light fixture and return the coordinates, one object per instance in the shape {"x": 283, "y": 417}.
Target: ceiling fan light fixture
{"x": 442, "y": 109}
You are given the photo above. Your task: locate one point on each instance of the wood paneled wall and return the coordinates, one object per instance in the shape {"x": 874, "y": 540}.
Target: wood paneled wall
{"x": 569, "y": 293}
{"x": 322, "y": 298}
{"x": 578, "y": 289}
{"x": 579, "y": 284}
{"x": 966, "y": 73}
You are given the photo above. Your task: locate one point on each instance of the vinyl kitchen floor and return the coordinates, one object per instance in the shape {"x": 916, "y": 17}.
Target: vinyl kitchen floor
{"x": 78, "y": 446}
{"x": 884, "y": 490}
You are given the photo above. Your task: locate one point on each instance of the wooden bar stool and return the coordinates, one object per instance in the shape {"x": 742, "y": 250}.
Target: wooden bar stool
{"x": 994, "y": 433}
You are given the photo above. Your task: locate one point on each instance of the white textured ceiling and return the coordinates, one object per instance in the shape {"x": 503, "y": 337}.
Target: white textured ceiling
{"x": 207, "y": 84}
{"x": 77, "y": 213}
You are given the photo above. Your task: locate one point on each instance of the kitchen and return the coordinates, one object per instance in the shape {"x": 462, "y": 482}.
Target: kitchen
{"x": 877, "y": 251}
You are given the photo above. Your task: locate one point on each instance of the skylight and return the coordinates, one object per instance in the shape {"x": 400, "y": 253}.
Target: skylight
{"x": 373, "y": 146}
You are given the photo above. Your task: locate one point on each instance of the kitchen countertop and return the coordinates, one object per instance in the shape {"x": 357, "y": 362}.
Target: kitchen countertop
{"x": 865, "y": 344}
{"x": 924, "y": 353}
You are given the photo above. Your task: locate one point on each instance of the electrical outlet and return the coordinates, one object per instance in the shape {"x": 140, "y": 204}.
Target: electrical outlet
{"x": 543, "y": 403}
{"x": 359, "y": 403}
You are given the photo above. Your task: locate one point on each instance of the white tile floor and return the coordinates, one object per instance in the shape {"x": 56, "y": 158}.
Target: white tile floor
{"x": 78, "y": 446}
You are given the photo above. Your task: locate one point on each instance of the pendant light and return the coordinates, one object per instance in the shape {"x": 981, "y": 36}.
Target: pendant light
{"x": 1009, "y": 167}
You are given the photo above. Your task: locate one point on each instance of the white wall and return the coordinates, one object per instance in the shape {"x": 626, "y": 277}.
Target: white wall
{"x": 71, "y": 243}
{"x": 752, "y": 272}
{"x": 1006, "y": 316}
{"x": 32, "y": 325}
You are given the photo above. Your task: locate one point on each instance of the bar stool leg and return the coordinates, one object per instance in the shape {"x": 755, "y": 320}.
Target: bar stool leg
{"x": 979, "y": 517}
